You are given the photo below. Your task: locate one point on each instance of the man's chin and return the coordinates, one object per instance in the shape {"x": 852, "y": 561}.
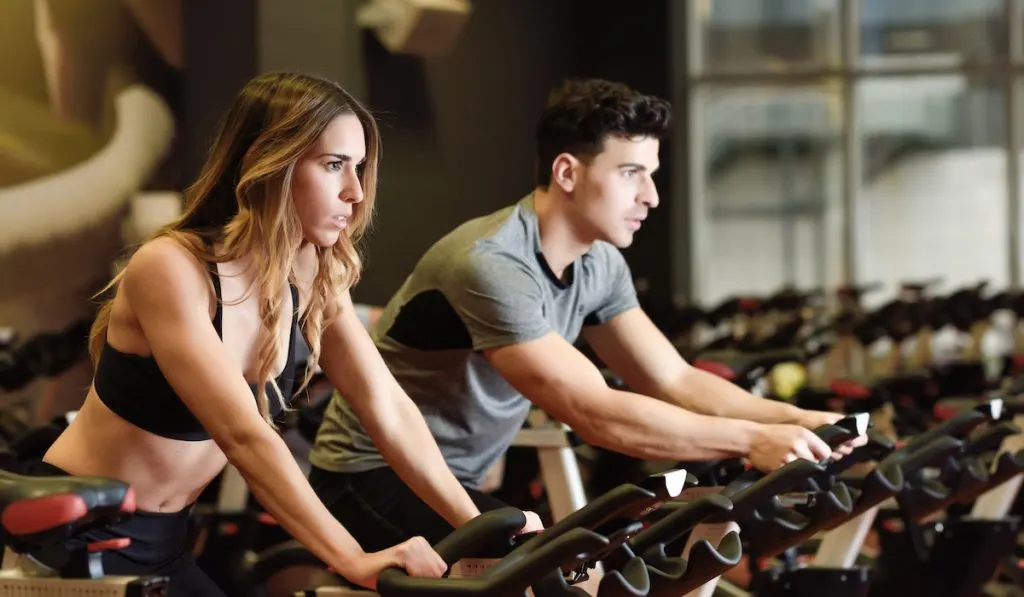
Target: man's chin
{"x": 621, "y": 240}
{"x": 624, "y": 241}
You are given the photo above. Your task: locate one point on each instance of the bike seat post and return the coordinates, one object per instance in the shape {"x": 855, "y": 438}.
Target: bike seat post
{"x": 840, "y": 546}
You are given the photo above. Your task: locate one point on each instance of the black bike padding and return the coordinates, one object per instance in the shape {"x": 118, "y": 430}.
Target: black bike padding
{"x": 565, "y": 550}
{"x": 672, "y": 576}
{"x": 684, "y": 516}
{"x": 469, "y": 538}
{"x": 754, "y": 488}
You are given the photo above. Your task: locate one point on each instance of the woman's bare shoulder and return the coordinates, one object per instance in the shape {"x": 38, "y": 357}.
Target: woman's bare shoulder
{"x": 165, "y": 265}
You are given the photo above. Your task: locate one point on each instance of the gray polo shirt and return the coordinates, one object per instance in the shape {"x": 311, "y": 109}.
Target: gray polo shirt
{"x": 484, "y": 285}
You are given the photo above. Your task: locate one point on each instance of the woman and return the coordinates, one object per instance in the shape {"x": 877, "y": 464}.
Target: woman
{"x": 194, "y": 352}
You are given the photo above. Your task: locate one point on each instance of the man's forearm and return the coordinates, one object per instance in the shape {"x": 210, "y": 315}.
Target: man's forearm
{"x": 650, "y": 429}
{"x": 708, "y": 394}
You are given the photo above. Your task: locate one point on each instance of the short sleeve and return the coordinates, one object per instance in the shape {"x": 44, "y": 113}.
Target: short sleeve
{"x": 364, "y": 313}
{"x": 498, "y": 298}
{"x": 617, "y": 279}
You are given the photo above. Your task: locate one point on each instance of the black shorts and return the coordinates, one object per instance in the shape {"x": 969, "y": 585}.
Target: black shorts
{"x": 381, "y": 511}
{"x": 158, "y": 546}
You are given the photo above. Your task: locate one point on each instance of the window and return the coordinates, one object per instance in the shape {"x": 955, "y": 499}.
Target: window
{"x": 853, "y": 140}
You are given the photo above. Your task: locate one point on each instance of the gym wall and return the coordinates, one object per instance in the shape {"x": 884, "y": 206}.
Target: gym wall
{"x": 457, "y": 129}
{"x": 89, "y": 108}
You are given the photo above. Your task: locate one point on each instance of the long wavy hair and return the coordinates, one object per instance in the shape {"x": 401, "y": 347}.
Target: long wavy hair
{"x": 241, "y": 202}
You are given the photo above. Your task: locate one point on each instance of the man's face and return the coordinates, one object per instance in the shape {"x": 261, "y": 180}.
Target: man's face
{"x": 614, "y": 191}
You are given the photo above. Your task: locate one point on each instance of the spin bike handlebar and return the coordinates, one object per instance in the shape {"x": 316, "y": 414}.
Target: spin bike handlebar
{"x": 991, "y": 439}
{"x": 670, "y": 575}
{"x": 1013, "y": 407}
{"x": 682, "y": 518}
{"x": 962, "y": 424}
{"x": 772, "y": 528}
{"x": 754, "y": 488}
{"x": 877, "y": 448}
{"x": 846, "y": 429}
{"x": 563, "y": 551}
{"x": 587, "y": 535}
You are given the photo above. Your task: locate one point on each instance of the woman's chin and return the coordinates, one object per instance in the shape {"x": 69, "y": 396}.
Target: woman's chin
{"x": 324, "y": 240}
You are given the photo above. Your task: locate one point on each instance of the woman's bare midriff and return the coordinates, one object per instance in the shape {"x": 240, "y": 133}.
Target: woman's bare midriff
{"x": 166, "y": 474}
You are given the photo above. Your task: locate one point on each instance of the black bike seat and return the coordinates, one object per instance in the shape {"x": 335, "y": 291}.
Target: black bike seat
{"x": 48, "y": 509}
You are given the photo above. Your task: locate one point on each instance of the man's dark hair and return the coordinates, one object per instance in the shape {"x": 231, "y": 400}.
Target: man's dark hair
{"x": 581, "y": 113}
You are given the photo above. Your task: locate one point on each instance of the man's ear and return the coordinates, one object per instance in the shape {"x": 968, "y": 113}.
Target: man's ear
{"x": 566, "y": 171}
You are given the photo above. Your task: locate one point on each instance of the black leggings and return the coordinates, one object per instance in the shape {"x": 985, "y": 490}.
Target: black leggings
{"x": 381, "y": 511}
{"x": 158, "y": 546}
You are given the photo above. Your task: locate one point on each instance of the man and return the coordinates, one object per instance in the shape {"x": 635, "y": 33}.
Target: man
{"x": 368, "y": 314}
{"x": 485, "y": 325}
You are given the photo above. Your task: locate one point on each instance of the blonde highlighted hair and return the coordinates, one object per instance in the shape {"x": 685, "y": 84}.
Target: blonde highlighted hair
{"x": 241, "y": 200}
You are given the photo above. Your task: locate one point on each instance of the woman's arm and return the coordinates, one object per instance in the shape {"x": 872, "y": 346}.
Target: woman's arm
{"x": 169, "y": 294}
{"x": 353, "y": 364}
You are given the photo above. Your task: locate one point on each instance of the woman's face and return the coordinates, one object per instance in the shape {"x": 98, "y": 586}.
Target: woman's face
{"x": 326, "y": 185}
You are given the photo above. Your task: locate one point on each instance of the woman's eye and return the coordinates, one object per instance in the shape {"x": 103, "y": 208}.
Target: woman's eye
{"x": 335, "y": 166}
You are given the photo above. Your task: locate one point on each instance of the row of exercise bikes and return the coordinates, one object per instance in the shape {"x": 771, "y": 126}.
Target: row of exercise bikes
{"x": 929, "y": 506}
{"x": 917, "y": 363}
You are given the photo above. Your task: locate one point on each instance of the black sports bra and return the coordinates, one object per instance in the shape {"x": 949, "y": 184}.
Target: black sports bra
{"x": 134, "y": 388}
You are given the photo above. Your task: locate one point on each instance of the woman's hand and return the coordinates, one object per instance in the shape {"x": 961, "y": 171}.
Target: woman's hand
{"x": 415, "y": 556}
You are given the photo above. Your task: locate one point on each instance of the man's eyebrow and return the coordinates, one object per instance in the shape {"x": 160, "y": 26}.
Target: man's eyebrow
{"x": 640, "y": 167}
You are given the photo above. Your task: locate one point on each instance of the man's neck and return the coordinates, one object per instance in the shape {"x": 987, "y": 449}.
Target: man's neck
{"x": 561, "y": 241}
